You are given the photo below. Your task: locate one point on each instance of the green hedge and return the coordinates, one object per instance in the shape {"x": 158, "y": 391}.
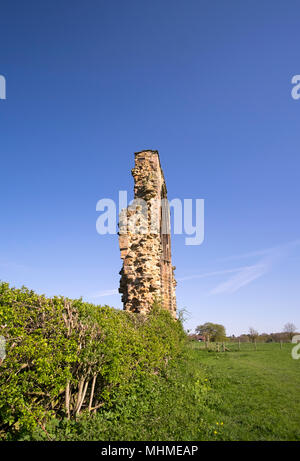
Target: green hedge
{"x": 66, "y": 357}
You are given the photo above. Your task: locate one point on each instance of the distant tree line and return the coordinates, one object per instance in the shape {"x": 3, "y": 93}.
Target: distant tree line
{"x": 216, "y": 333}
{"x": 286, "y": 335}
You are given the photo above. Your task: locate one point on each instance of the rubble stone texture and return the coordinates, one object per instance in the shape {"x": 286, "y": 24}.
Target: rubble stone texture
{"x": 147, "y": 273}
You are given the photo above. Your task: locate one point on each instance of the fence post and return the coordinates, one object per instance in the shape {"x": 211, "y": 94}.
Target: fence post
{"x": 255, "y": 344}
{"x": 280, "y": 344}
{"x": 239, "y": 345}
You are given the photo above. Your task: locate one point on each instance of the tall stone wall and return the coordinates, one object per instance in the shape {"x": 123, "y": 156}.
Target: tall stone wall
{"x": 145, "y": 241}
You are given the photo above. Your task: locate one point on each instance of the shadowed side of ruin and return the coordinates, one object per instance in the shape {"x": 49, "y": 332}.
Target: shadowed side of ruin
{"x": 147, "y": 273}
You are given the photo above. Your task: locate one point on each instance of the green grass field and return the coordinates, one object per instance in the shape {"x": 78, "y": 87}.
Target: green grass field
{"x": 258, "y": 391}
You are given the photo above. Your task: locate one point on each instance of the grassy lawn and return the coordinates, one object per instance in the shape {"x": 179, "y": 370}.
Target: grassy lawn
{"x": 258, "y": 390}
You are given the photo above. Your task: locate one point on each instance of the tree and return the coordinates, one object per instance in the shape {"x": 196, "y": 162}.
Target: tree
{"x": 253, "y": 334}
{"x": 212, "y": 331}
{"x": 290, "y": 329}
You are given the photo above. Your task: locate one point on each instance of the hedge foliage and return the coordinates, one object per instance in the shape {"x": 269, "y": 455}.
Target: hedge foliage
{"x": 67, "y": 357}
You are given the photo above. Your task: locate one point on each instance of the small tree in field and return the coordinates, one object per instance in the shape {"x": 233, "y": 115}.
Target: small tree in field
{"x": 290, "y": 329}
{"x": 253, "y": 334}
{"x": 212, "y": 331}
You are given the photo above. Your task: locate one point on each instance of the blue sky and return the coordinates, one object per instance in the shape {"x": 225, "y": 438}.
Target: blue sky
{"x": 208, "y": 84}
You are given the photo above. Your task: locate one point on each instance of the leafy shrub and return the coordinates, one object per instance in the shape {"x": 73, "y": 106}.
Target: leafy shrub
{"x": 65, "y": 357}
{"x": 171, "y": 405}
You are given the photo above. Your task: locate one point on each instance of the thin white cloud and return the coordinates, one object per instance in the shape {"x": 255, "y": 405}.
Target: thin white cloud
{"x": 245, "y": 276}
{"x": 266, "y": 251}
{"x": 250, "y": 273}
{"x": 101, "y": 294}
{"x": 208, "y": 274}
{"x": 11, "y": 265}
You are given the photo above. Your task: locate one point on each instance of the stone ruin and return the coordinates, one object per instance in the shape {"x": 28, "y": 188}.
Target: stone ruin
{"x": 145, "y": 241}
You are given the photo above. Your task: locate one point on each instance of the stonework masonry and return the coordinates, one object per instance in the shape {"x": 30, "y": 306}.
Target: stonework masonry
{"x": 147, "y": 273}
